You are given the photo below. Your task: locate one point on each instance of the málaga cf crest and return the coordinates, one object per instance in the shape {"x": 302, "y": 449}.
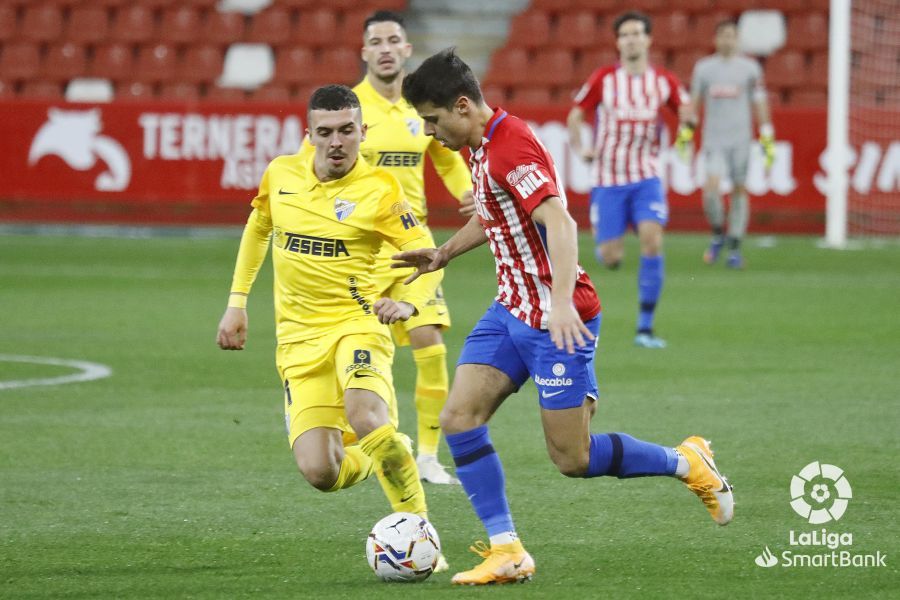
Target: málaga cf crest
{"x": 413, "y": 125}
{"x": 343, "y": 208}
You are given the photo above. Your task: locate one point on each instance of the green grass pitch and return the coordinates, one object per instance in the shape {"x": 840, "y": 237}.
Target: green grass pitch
{"x": 173, "y": 478}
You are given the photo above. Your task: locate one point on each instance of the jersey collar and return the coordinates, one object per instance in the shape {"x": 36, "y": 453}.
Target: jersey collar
{"x": 491, "y": 126}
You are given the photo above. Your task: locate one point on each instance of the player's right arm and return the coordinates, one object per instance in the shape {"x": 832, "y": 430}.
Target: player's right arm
{"x": 587, "y": 99}
{"x": 232, "y": 331}
{"x": 429, "y": 260}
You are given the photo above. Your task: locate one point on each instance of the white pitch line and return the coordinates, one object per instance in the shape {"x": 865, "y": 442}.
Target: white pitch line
{"x": 89, "y": 371}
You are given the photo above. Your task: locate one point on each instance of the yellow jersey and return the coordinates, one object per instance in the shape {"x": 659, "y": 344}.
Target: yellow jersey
{"x": 396, "y": 141}
{"x": 325, "y": 237}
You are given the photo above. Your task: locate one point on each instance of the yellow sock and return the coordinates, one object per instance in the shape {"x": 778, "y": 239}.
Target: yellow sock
{"x": 355, "y": 467}
{"x": 431, "y": 394}
{"x": 396, "y": 470}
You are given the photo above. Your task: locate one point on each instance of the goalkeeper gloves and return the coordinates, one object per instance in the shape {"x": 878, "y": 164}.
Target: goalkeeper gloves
{"x": 767, "y": 141}
{"x": 684, "y": 142}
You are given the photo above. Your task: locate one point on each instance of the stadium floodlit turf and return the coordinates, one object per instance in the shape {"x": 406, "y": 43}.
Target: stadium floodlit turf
{"x": 173, "y": 477}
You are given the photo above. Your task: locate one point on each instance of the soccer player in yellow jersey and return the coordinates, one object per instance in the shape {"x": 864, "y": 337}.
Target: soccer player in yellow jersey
{"x": 396, "y": 141}
{"x": 327, "y": 216}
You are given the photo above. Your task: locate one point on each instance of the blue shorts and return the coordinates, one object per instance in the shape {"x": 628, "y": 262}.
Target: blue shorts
{"x": 504, "y": 342}
{"x": 616, "y": 207}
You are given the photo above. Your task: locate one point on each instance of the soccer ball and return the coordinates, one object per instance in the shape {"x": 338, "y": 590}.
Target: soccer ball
{"x": 403, "y": 547}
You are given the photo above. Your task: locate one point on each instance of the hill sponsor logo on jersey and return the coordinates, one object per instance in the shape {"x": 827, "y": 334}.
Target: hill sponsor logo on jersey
{"x": 398, "y": 159}
{"x": 309, "y": 245}
{"x": 526, "y": 179}
{"x": 74, "y": 136}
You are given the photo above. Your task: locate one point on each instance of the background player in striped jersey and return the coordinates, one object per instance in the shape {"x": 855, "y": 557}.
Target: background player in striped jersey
{"x": 541, "y": 325}
{"x": 730, "y": 88}
{"x": 395, "y": 141}
{"x": 625, "y": 100}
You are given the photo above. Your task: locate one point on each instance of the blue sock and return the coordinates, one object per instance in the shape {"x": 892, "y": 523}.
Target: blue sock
{"x": 621, "y": 455}
{"x": 481, "y": 474}
{"x": 650, "y": 282}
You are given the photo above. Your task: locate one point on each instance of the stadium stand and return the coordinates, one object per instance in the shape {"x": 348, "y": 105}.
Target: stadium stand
{"x": 176, "y": 50}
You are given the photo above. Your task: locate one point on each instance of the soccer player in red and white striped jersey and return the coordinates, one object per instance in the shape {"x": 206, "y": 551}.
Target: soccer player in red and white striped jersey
{"x": 540, "y": 327}
{"x": 625, "y": 101}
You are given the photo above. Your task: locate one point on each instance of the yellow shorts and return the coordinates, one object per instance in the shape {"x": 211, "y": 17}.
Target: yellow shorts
{"x": 316, "y": 372}
{"x": 390, "y": 283}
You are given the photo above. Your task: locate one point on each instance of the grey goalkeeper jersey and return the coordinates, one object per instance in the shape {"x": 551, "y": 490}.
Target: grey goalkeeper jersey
{"x": 728, "y": 88}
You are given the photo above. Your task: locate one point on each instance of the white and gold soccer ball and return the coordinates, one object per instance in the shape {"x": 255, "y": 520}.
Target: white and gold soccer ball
{"x": 403, "y": 547}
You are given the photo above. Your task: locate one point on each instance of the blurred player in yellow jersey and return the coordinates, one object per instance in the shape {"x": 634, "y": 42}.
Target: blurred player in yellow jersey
{"x": 396, "y": 141}
{"x": 327, "y": 215}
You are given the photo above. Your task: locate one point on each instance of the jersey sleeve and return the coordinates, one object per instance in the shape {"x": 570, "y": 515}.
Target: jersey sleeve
{"x": 261, "y": 201}
{"x": 678, "y": 96}
{"x": 591, "y": 93}
{"x": 395, "y": 222}
{"x": 451, "y": 168}
{"x": 522, "y": 167}
{"x": 251, "y": 254}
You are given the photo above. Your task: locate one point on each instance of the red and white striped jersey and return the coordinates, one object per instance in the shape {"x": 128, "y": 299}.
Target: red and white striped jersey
{"x": 512, "y": 174}
{"x": 628, "y": 121}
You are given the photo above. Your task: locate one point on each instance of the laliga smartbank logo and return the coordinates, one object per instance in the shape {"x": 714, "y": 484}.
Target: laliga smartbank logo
{"x": 820, "y": 493}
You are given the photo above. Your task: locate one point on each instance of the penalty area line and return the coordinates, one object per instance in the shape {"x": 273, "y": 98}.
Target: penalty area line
{"x": 87, "y": 371}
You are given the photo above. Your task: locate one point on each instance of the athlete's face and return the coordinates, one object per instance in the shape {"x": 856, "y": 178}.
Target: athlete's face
{"x": 632, "y": 40}
{"x": 450, "y": 127}
{"x": 726, "y": 40}
{"x": 336, "y": 135}
{"x": 385, "y": 49}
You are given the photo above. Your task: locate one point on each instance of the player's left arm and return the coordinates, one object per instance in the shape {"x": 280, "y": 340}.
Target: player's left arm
{"x": 565, "y": 324}
{"x": 453, "y": 171}
{"x": 763, "y": 118}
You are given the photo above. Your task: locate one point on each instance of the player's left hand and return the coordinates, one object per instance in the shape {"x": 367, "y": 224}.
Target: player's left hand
{"x": 566, "y": 327}
{"x": 389, "y": 311}
{"x": 467, "y": 205}
{"x": 684, "y": 142}
{"x": 768, "y": 147}
{"x": 423, "y": 260}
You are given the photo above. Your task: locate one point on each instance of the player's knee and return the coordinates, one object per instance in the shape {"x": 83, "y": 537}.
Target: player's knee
{"x": 321, "y": 476}
{"x": 571, "y": 464}
{"x": 453, "y": 420}
{"x": 364, "y": 423}
{"x": 611, "y": 257}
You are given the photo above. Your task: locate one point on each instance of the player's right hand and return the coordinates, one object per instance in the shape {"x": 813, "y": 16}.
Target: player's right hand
{"x": 684, "y": 142}
{"x": 423, "y": 260}
{"x": 232, "y": 332}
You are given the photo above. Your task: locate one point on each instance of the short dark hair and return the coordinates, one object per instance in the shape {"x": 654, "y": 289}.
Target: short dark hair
{"x": 333, "y": 97}
{"x": 385, "y": 16}
{"x": 633, "y": 15}
{"x": 441, "y": 80}
{"x": 729, "y": 22}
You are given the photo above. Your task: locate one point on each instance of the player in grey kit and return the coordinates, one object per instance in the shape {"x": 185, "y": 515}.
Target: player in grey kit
{"x": 731, "y": 88}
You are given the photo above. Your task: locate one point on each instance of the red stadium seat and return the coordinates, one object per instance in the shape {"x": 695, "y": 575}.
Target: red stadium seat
{"x": 552, "y": 67}
{"x": 695, "y": 7}
{"x": 786, "y": 69}
{"x": 223, "y": 28}
{"x": 530, "y": 29}
{"x": 683, "y": 64}
{"x": 508, "y": 66}
{"x": 156, "y": 63}
{"x": 88, "y": 24}
{"x": 180, "y": 25}
{"x": 531, "y": 95}
{"x": 494, "y": 95}
{"x": 217, "y": 94}
{"x": 294, "y": 65}
{"x": 648, "y": 6}
{"x": 338, "y": 65}
{"x": 352, "y": 24}
{"x": 818, "y": 70}
{"x": 112, "y": 61}
{"x": 592, "y": 60}
{"x": 271, "y": 92}
{"x": 600, "y": 6}
{"x": 579, "y": 29}
{"x": 42, "y": 89}
{"x": 135, "y": 90}
{"x": 553, "y": 6}
{"x": 19, "y": 61}
{"x": 672, "y": 30}
{"x": 273, "y": 26}
{"x": 63, "y": 62}
{"x": 318, "y": 27}
{"x": 809, "y": 98}
{"x": 201, "y": 63}
{"x": 808, "y": 31}
{"x": 41, "y": 23}
{"x": 703, "y": 32}
{"x": 134, "y": 24}
{"x": 8, "y": 22}
{"x": 183, "y": 91}
{"x": 659, "y": 58}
